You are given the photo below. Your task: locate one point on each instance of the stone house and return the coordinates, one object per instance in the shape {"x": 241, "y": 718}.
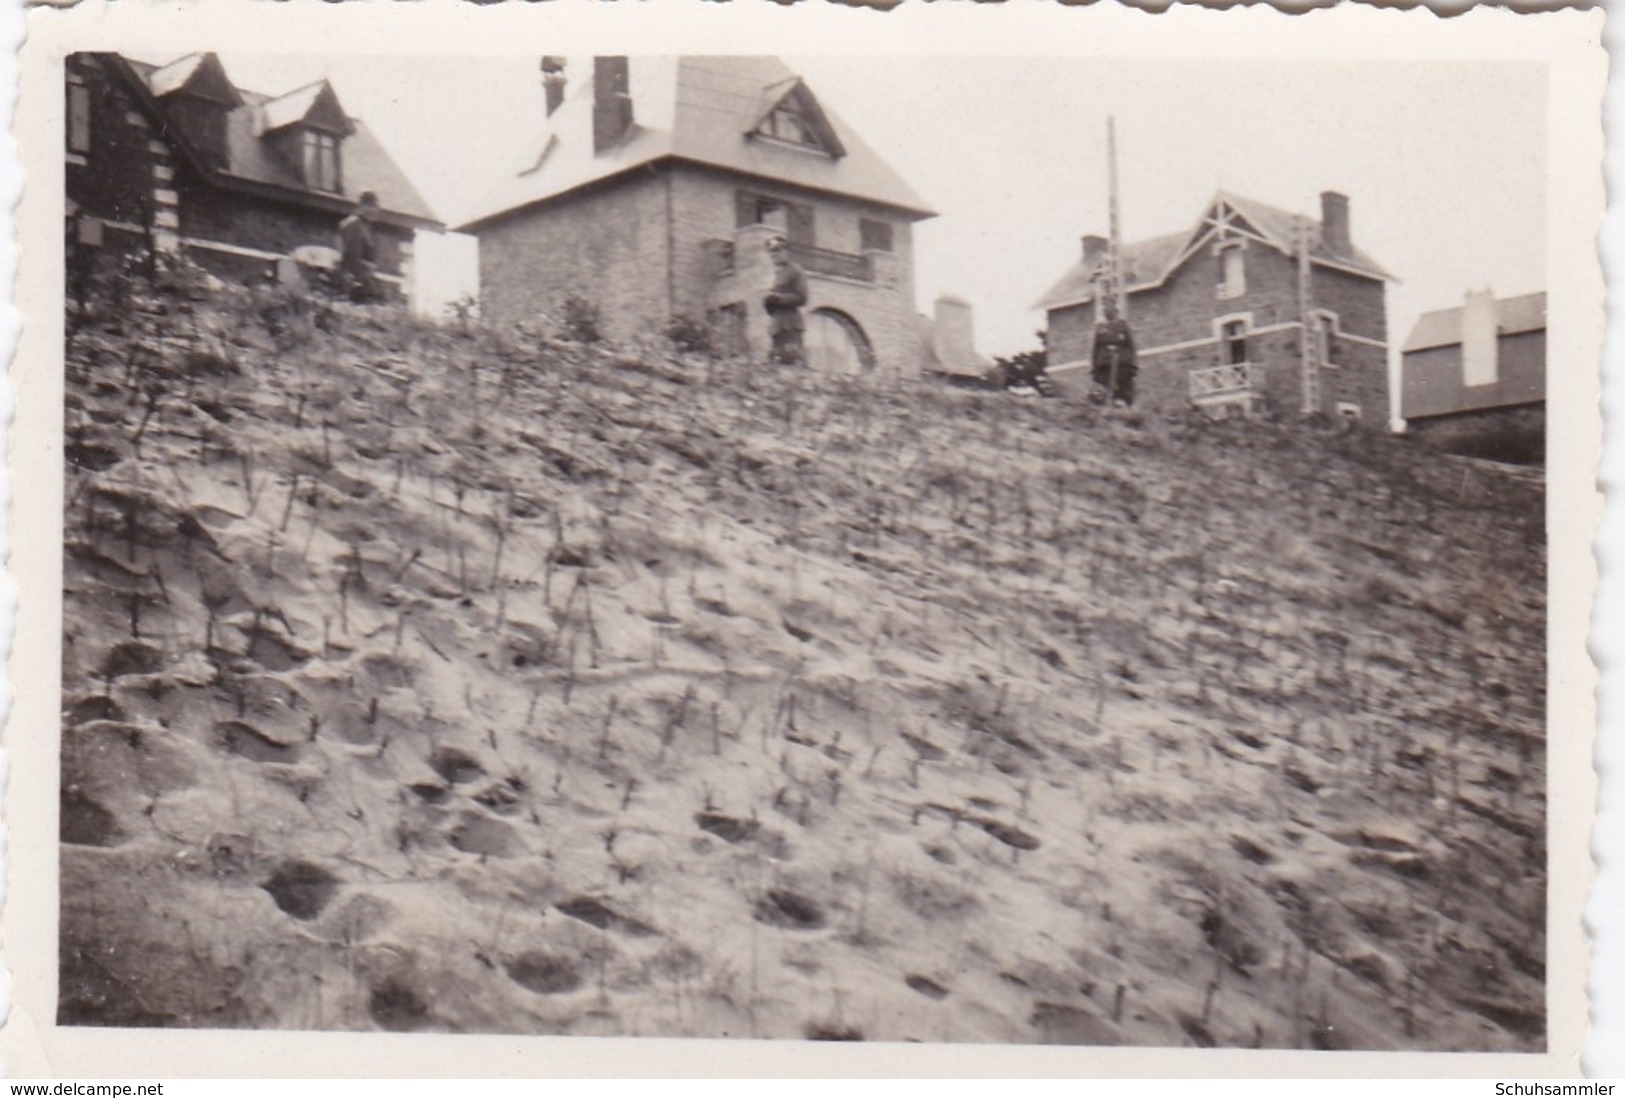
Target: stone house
{"x": 178, "y": 158}
{"x": 1252, "y": 307}
{"x": 655, "y": 186}
{"x": 1473, "y": 378}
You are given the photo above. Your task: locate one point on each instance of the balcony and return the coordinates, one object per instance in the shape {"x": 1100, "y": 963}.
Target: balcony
{"x": 815, "y": 261}
{"x": 1232, "y": 383}
{"x": 858, "y": 268}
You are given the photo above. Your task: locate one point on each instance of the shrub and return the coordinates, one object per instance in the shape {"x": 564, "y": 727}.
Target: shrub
{"x": 582, "y": 321}
{"x": 689, "y": 335}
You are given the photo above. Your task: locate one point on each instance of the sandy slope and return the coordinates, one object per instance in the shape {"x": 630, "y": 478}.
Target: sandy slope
{"x": 478, "y": 683}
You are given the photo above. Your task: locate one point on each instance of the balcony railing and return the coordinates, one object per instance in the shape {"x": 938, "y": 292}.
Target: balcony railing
{"x": 820, "y": 261}
{"x": 859, "y": 268}
{"x": 1234, "y": 381}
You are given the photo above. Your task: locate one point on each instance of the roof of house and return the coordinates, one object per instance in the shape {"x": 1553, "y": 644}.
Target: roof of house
{"x": 1513, "y": 315}
{"x": 1148, "y": 263}
{"x": 703, "y": 110}
{"x": 253, "y": 163}
{"x": 1432, "y": 371}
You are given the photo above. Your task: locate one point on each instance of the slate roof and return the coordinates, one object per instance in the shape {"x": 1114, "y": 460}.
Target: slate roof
{"x": 1145, "y": 264}
{"x": 1148, "y": 263}
{"x": 1513, "y": 315}
{"x": 701, "y": 110}
{"x": 252, "y": 164}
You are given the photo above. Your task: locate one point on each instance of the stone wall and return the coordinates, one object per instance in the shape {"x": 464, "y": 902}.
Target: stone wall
{"x": 607, "y": 244}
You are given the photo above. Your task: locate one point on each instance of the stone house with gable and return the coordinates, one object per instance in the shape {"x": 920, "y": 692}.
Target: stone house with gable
{"x": 1221, "y": 313}
{"x": 654, "y": 189}
{"x": 1473, "y": 378}
{"x": 178, "y": 158}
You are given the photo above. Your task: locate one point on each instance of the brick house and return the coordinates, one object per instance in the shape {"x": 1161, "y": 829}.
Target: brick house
{"x": 1219, "y": 313}
{"x": 1473, "y": 378}
{"x": 179, "y": 156}
{"x": 658, "y": 181}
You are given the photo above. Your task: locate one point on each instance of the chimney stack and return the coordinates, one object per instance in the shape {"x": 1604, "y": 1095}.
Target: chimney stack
{"x": 953, "y": 335}
{"x": 1094, "y": 250}
{"x": 553, "y": 82}
{"x": 611, "y": 102}
{"x": 1480, "y": 347}
{"x": 1334, "y": 223}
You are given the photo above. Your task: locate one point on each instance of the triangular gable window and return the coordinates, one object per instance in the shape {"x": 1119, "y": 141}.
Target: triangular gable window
{"x": 796, "y": 119}
{"x": 1228, "y": 223}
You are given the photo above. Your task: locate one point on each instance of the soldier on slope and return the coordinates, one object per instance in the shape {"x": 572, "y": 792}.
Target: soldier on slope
{"x": 1114, "y": 360}
{"x": 783, "y": 303}
{"x": 358, "y": 252}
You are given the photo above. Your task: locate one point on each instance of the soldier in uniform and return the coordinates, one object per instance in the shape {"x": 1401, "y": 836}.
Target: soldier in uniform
{"x": 783, "y": 303}
{"x": 1114, "y": 361}
{"x": 358, "y": 251}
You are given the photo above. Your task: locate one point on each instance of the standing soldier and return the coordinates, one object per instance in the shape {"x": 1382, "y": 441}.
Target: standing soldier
{"x": 783, "y": 303}
{"x": 358, "y": 251}
{"x": 1114, "y": 361}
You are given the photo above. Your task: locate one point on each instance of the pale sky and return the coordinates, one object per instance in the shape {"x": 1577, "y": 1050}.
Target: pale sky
{"x": 1444, "y": 162}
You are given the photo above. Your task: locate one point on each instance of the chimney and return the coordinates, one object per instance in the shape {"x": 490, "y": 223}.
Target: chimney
{"x": 1334, "y": 223}
{"x": 1480, "y": 348}
{"x": 953, "y": 335}
{"x": 1094, "y": 250}
{"x": 611, "y": 102}
{"x": 553, "y": 82}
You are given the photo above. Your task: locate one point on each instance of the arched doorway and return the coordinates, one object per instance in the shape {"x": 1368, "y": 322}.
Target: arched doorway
{"x": 836, "y": 344}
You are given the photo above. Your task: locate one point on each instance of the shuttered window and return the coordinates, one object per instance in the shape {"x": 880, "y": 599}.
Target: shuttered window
{"x": 795, "y": 220}
{"x": 78, "y": 118}
{"x": 875, "y": 236}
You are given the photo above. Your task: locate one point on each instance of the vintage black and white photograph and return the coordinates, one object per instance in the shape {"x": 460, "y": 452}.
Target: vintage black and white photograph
{"x": 1006, "y": 550}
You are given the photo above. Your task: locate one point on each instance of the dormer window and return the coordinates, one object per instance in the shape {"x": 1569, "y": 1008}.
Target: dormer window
{"x": 197, "y": 97}
{"x": 795, "y": 118}
{"x": 787, "y": 123}
{"x": 321, "y": 161}
{"x": 308, "y": 127}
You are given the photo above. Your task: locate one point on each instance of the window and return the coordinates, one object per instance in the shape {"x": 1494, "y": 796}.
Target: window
{"x": 78, "y": 117}
{"x": 787, "y": 123}
{"x": 876, "y": 236}
{"x": 1325, "y": 337}
{"x": 796, "y": 119}
{"x": 795, "y": 221}
{"x": 1348, "y": 412}
{"x": 1232, "y": 271}
{"x": 1233, "y": 341}
{"x": 321, "y": 161}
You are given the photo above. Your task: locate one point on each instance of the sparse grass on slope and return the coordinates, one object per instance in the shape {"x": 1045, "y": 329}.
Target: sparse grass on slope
{"x": 415, "y": 680}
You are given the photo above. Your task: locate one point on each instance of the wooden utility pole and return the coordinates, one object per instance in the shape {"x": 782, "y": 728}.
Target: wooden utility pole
{"x": 1308, "y": 345}
{"x": 1114, "y": 246}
